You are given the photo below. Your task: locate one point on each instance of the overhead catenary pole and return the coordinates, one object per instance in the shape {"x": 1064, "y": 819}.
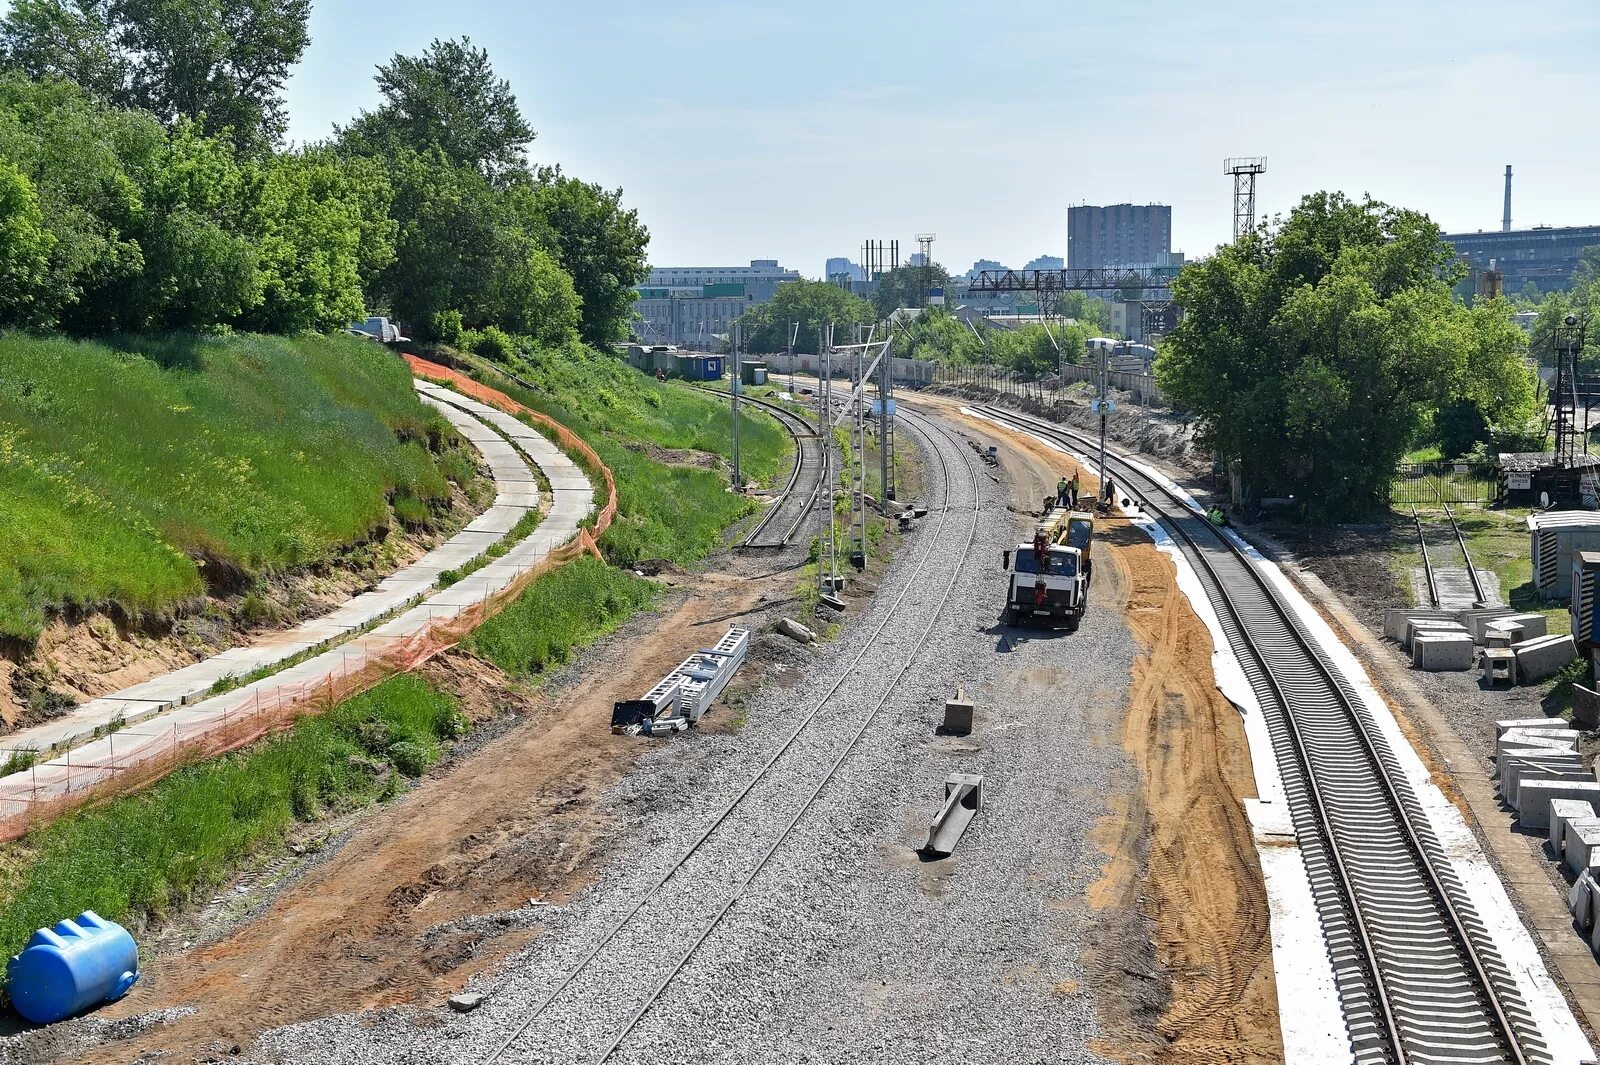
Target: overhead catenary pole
{"x": 886, "y": 421}
{"x": 794, "y": 335}
{"x": 733, "y": 393}
{"x": 1105, "y": 355}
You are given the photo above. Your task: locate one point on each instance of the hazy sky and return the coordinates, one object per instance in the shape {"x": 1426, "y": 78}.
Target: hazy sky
{"x": 794, "y": 130}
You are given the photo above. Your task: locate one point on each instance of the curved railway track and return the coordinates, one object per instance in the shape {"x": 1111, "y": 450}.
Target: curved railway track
{"x": 786, "y": 517}
{"x": 741, "y": 838}
{"x": 1418, "y": 977}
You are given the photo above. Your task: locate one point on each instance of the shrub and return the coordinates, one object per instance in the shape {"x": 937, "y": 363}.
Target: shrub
{"x": 445, "y": 327}
{"x": 491, "y": 343}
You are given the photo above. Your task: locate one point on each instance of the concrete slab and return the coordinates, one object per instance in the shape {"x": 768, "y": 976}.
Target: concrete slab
{"x": 1579, "y": 843}
{"x": 1543, "y": 657}
{"x": 1536, "y": 795}
{"x": 1416, "y": 626}
{"x": 1477, "y": 618}
{"x": 1562, "y": 811}
{"x": 1502, "y": 727}
{"x": 1560, "y": 739}
{"x": 1394, "y": 620}
{"x": 1437, "y": 651}
{"x": 1533, "y": 625}
{"x": 1516, "y": 770}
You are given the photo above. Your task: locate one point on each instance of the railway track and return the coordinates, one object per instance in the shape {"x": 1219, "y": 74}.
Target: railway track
{"x": 1418, "y": 977}
{"x": 663, "y": 923}
{"x": 1451, "y": 587}
{"x": 786, "y": 517}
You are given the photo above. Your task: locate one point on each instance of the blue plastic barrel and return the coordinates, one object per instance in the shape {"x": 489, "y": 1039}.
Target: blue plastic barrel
{"x": 72, "y": 967}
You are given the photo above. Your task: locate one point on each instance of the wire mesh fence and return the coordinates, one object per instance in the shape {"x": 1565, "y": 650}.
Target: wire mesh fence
{"x": 1424, "y": 483}
{"x": 1140, "y": 389}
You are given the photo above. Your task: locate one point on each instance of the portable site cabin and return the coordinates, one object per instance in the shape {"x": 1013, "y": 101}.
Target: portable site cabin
{"x": 1585, "y": 578}
{"x": 692, "y": 367}
{"x": 1557, "y": 536}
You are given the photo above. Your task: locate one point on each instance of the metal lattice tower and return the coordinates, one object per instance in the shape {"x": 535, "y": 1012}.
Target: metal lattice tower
{"x": 925, "y": 242}
{"x": 1244, "y": 170}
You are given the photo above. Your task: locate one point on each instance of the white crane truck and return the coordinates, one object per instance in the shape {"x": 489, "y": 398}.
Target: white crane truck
{"x": 1050, "y": 577}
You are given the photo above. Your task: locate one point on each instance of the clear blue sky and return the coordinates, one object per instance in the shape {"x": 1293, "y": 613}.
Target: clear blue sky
{"x": 752, "y": 129}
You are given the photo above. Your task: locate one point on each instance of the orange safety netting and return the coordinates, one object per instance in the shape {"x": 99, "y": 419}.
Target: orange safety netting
{"x": 141, "y": 754}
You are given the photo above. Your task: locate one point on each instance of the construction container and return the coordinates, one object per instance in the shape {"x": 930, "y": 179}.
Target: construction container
{"x": 753, "y": 373}
{"x": 72, "y": 967}
{"x": 697, "y": 367}
{"x": 1557, "y": 536}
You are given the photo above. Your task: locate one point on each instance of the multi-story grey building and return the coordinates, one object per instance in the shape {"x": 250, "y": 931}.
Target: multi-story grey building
{"x": 694, "y": 306}
{"x": 1120, "y": 234}
{"x": 1045, "y": 262}
{"x": 1544, "y": 256}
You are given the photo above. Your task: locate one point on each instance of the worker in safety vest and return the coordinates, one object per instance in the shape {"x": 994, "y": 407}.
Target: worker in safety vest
{"x": 1061, "y": 491}
{"x": 1073, "y": 487}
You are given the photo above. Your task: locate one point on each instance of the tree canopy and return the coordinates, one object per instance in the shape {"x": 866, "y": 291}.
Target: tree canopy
{"x": 1314, "y": 351}
{"x": 221, "y": 63}
{"x": 448, "y": 100}
{"x": 811, "y": 304}
{"x": 140, "y": 189}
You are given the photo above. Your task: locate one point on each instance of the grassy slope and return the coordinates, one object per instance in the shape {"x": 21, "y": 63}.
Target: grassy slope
{"x": 147, "y": 854}
{"x": 151, "y": 852}
{"x": 667, "y": 511}
{"x": 124, "y": 464}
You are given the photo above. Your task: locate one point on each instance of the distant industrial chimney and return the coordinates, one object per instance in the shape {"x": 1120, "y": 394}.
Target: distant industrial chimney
{"x": 1505, "y": 221}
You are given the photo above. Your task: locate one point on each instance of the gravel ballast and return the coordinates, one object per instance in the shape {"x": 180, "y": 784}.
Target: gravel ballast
{"x": 846, "y": 946}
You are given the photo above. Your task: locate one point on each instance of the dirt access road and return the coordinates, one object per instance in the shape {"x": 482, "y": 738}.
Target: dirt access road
{"x": 1183, "y": 962}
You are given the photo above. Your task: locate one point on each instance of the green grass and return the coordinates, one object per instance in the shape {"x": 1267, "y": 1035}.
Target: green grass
{"x": 136, "y": 472}
{"x": 558, "y": 613}
{"x": 667, "y": 511}
{"x": 149, "y": 853}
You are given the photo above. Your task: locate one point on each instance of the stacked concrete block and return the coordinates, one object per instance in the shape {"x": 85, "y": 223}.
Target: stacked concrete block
{"x": 1536, "y": 796}
{"x": 1543, "y": 657}
{"x": 1433, "y": 627}
{"x": 1503, "y": 633}
{"x": 1533, "y": 625}
{"x": 1437, "y": 651}
{"x": 1395, "y": 621}
{"x": 1479, "y": 619}
{"x": 1562, "y": 811}
{"x": 1499, "y": 665}
{"x": 1580, "y": 841}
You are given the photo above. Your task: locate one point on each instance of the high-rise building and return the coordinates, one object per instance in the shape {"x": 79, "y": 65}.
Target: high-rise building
{"x": 840, "y": 266}
{"x": 982, "y": 265}
{"x": 1045, "y": 262}
{"x": 1123, "y": 234}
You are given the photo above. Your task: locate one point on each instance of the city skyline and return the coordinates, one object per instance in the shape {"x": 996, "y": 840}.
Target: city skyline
{"x": 987, "y": 139}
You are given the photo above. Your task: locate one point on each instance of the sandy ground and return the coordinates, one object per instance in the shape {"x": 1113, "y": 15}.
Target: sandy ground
{"x": 1184, "y": 961}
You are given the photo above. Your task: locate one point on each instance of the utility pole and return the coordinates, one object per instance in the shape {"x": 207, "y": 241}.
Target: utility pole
{"x": 886, "y": 421}
{"x": 1102, "y": 405}
{"x": 794, "y": 335}
{"x": 858, "y": 516}
{"x": 733, "y": 394}
{"x": 827, "y": 537}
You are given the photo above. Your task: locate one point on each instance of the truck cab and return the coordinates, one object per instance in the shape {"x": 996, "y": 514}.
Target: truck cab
{"x": 1051, "y": 585}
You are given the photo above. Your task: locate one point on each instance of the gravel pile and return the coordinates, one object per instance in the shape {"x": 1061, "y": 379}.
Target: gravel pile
{"x": 845, "y": 947}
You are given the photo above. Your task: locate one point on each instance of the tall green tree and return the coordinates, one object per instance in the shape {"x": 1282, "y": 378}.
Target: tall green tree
{"x": 448, "y": 100}
{"x": 1314, "y": 351}
{"x": 811, "y": 304}
{"x": 221, "y": 63}
{"x": 598, "y": 241}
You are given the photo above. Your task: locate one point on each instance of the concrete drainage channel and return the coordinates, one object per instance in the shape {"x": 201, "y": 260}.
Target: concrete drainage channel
{"x": 1418, "y": 975}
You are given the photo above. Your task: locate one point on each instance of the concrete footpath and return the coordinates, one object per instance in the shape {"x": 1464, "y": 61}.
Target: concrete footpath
{"x": 151, "y": 720}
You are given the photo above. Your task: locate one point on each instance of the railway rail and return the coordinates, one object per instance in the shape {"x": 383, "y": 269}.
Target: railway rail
{"x": 690, "y": 914}
{"x": 1418, "y": 977}
{"x": 786, "y": 517}
{"x": 1451, "y": 587}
